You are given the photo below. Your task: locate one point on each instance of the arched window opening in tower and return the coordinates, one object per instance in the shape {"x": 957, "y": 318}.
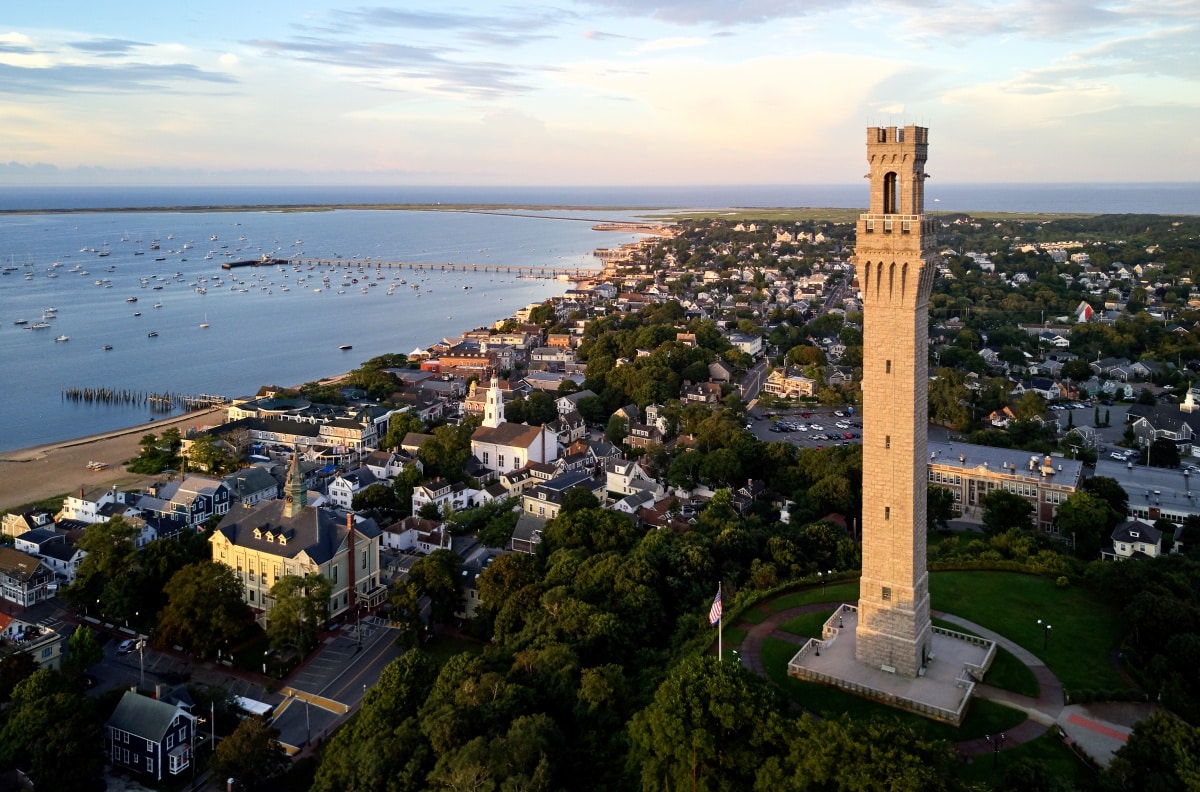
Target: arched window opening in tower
{"x": 891, "y": 186}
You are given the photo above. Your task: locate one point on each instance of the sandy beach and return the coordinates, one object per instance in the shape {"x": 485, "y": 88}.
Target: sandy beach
{"x": 32, "y": 474}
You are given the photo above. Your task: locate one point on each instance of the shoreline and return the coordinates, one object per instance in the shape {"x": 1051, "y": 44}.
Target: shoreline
{"x": 46, "y": 471}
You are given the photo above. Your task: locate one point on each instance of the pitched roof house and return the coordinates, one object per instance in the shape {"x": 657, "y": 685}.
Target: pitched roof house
{"x": 150, "y": 737}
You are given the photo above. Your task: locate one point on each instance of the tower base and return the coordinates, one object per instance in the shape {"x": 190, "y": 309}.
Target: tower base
{"x": 941, "y": 691}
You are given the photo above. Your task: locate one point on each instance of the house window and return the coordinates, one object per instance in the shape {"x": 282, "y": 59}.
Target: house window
{"x": 887, "y": 594}
{"x": 485, "y": 457}
{"x": 364, "y": 559}
{"x": 252, "y": 595}
{"x": 170, "y": 740}
{"x": 149, "y": 765}
{"x": 500, "y": 460}
{"x": 334, "y": 570}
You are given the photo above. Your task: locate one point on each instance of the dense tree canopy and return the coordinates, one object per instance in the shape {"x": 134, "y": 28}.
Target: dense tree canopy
{"x": 205, "y": 611}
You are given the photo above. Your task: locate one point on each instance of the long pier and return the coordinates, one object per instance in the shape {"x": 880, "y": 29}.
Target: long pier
{"x": 552, "y": 273}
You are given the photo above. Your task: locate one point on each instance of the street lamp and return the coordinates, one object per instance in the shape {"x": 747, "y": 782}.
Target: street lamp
{"x": 1045, "y": 634}
{"x": 737, "y": 658}
{"x": 996, "y": 741}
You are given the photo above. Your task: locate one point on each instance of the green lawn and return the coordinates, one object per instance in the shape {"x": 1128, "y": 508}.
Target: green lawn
{"x": 443, "y": 647}
{"x": 846, "y": 591}
{"x": 807, "y": 625}
{"x": 1083, "y": 628}
{"x": 1007, "y": 672}
{"x": 984, "y": 717}
{"x": 753, "y": 615}
{"x": 733, "y": 636}
{"x": 1058, "y": 759}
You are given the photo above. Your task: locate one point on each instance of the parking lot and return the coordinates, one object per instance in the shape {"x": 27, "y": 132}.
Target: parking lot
{"x": 820, "y": 427}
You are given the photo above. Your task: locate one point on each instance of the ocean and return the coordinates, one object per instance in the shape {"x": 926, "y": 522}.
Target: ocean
{"x": 265, "y": 327}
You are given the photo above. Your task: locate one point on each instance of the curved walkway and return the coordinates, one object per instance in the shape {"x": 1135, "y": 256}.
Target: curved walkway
{"x": 1043, "y": 711}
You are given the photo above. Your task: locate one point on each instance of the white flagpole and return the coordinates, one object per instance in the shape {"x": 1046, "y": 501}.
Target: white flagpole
{"x": 720, "y": 626}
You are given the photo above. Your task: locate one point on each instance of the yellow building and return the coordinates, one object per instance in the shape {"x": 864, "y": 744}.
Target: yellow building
{"x": 288, "y": 537}
{"x": 780, "y": 383}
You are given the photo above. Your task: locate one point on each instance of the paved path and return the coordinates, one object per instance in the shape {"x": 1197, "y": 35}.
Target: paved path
{"x": 1043, "y": 712}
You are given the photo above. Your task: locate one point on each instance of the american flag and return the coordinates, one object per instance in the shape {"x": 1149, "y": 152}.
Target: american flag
{"x": 714, "y": 613}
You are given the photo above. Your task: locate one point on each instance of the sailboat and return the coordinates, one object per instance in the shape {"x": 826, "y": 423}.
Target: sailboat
{"x": 204, "y": 324}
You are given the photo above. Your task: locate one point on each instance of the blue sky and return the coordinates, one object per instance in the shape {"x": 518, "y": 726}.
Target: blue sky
{"x": 595, "y": 92}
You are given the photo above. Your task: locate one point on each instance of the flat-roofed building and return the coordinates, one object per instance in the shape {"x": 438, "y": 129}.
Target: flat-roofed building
{"x": 973, "y": 471}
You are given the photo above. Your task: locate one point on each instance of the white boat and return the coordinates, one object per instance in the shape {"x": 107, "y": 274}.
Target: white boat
{"x": 62, "y": 338}
{"x": 204, "y": 324}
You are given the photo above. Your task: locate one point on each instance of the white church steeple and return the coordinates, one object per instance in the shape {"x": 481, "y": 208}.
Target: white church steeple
{"x": 493, "y": 406}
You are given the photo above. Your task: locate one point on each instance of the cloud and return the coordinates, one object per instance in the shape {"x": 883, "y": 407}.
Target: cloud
{"x": 1161, "y": 53}
{"x": 678, "y": 42}
{"x": 389, "y": 66}
{"x": 374, "y": 47}
{"x": 123, "y": 78}
{"x": 516, "y": 28}
{"x": 17, "y": 44}
{"x": 723, "y": 12}
{"x": 600, "y": 35}
{"x": 107, "y": 46}
{"x": 1069, "y": 20}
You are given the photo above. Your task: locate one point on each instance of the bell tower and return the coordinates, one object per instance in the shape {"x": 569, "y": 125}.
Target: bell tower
{"x": 894, "y": 251}
{"x": 295, "y": 496}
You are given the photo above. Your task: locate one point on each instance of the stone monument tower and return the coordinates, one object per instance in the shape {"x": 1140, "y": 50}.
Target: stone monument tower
{"x": 893, "y": 260}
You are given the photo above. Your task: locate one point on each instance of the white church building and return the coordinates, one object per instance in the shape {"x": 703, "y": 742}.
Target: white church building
{"x": 501, "y": 447}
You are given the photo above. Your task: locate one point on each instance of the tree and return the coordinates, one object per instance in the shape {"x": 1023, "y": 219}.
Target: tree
{"x": 209, "y": 454}
{"x": 436, "y": 577}
{"x": 577, "y": 498}
{"x": 83, "y": 650}
{"x": 1160, "y": 755}
{"x": 52, "y": 731}
{"x": 382, "y": 748}
{"x": 1163, "y": 453}
{"x": 204, "y": 610}
{"x": 540, "y": 408}
{"x": 399, "y": 425}
{"x": 378, "y": 496}
{"x": 1089, "y": 519}
{"x": 404, "y": 483}
{"x": 616, "y": 429}
{"x": 404, "y": 603}
{"x": 1110, "y": 490}
{"x": 709, "y": 727}
{"x": 445, "y": 453}
{"x": 301, "y": 607}
{"x": 1004, "y": 510}
{"x": 252, "y": 754}
{"x": 939, "y": 508}
{"x": 106, "y": 570}
{"x": 1029, "y": 406}
{"x": 542, "y": 314}
{"x": 15, "y": 667}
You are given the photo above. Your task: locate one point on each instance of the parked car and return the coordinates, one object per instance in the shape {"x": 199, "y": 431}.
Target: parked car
{"x": 126, "y": 646}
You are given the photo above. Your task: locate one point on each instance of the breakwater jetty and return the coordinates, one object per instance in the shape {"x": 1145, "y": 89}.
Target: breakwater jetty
{"x": 165, "y": 401}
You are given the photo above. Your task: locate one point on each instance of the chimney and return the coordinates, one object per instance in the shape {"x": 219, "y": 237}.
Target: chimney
{"x": 350, "y": 560}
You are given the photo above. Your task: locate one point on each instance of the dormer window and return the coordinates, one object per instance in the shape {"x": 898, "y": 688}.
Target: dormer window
{"x": 257, "y": 534}
{"x": 282, "y": 539}
{"x": 1134, "y": 534}
{"x": 271, "y": 537}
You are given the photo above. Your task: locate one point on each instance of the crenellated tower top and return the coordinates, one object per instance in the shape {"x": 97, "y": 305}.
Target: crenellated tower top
{"x": 897, "y": 158}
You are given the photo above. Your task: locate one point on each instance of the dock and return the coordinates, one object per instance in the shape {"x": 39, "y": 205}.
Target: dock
{"x": 551, "y": 273}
